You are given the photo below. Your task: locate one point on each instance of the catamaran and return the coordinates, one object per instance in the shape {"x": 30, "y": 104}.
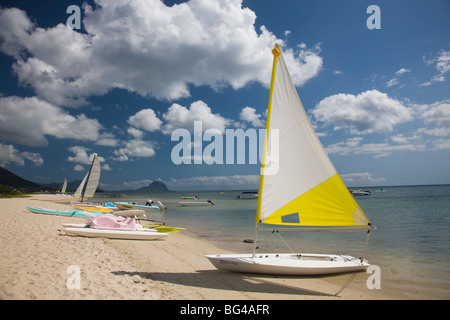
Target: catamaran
{"x": 63, "y": 187}
{"x": 88, "y": 186}
{"x": 303, "y": 192}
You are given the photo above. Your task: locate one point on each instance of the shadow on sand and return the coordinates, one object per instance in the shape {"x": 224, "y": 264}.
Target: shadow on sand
{"x": 216, "y": 279}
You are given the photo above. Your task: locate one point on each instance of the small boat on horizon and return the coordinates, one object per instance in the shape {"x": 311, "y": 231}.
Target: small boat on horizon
{"x": 360, "y": 192}
{"x": 196, "y": 203}
{"x": 189, "y": 197}
{"x": 248, "y": 195}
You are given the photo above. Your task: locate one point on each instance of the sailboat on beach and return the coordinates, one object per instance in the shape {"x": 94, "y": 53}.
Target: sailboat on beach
{"x": 89, "y": 185}
{"x": 303, "y": 192}
{"x": 63, "y": 187}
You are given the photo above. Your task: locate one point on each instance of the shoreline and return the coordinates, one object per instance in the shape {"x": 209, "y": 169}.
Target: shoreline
{"x": 37, "y": 256}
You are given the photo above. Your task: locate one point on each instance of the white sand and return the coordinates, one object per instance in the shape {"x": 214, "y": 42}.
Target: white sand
{"x": 36, "y": 255}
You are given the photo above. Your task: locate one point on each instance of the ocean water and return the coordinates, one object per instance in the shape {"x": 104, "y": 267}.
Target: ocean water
{"x": 411, "y": 244}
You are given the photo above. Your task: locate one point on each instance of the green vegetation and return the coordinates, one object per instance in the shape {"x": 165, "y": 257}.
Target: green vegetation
{"x": 6, "y": 192}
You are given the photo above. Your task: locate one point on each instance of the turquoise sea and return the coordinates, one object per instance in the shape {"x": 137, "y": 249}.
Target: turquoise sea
{"x": 411, "y": 244}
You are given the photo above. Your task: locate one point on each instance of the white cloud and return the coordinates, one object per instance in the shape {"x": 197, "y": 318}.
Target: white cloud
{"x": 354, "y": 146}
{"x": 432, "y": 137}
{"x": 81, "y": 156}
{"x": 401, "y": 139}
{"x": 425, "y": 84}
{"x": 392, "y": 82}
{"x": 106, "y": 139}
{"x": 40, "y": 119}
{"x": 9, "y": 154}
{"x": 145, "y": 119}
{"x": 441, "y": 144}
{"x": 361, "y": 178}
{"x": 33, "y": 157}
{"x": 178, "y": 116}
{"x": 136, "y": 133}
{"x": 127, "y": 185}
{"x": 442, "y": 64}
{"x": 215, "y": 182}
{"x": 438, "y": 78}
{"x": 368, "y": 112}
{"x": 304, "y": 64}
{"x": 148, "y": 48}
{"x": 78, "y": 168}
{"x": 438, "y": 116}
{"x": 135, "y": 148}
{"x": 106, "y": 167}
{"x": 249, "y": 114}
{"x": 402, "y": 71}
{"x": 14, "y": 31}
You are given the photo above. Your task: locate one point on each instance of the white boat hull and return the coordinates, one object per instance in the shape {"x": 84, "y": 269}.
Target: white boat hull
{"x": 288, "y": 263}
{"x": 130, "y": 213}
{"x": 134, "y": 206}
{"x": 116, "y": 234}
{"x": 194, "y": 204}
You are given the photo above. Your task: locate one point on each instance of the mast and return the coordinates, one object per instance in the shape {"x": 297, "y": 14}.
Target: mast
{"x": 87, "y": 180}
{"x": 276, "y": 52}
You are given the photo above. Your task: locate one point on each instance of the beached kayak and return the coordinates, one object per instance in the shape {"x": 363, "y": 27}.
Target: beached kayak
{"x": 68, "y": 213}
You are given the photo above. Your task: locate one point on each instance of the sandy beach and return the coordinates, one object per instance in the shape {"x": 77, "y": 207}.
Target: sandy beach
{"x": 38, "y": 261}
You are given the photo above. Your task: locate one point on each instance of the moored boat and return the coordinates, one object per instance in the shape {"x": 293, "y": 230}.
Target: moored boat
{"x": 359, "y": 193}
{"x": 147, "y": 207}
{"x": 248, "y": 195}
{"x": 196, "y": 203}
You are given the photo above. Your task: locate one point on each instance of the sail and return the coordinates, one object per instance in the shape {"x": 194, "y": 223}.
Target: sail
{"x": 77, "y": 193}
{"x": 306, "y": 190}
{"x": 93, "y": 179}
{"x": 64, "y": 186}
{"x": 88, "y": 186}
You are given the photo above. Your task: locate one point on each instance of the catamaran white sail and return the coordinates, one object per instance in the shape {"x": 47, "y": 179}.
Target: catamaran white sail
{"x": 88, "y": 186}
{"x": 63, "y": 187}
{"x": 301, "y": 188}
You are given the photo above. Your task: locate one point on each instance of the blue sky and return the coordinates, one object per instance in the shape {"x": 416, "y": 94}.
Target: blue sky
{"x": 138, "y": 70}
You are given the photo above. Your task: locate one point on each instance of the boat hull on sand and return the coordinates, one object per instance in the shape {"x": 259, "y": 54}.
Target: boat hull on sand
{"x": 130, "y": 213}
{"x": 116, "y": 234}
{"x": 67, "y": 213}
{"x": 94, "y": 209}
{"x": 298, "y": 264}
{"x": 136, "y": 206}
{"x": 147, "y": 228}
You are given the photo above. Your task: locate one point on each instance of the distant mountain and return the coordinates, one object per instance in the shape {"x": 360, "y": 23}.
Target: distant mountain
{"x": 71, "y": 185}
{"x": 155, "y": 187}
{"x": 7, "y": 178}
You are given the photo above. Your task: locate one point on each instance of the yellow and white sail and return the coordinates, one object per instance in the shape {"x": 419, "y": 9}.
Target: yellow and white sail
{"x": 87, "y": 189}
{"x": 305, "y": 190}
